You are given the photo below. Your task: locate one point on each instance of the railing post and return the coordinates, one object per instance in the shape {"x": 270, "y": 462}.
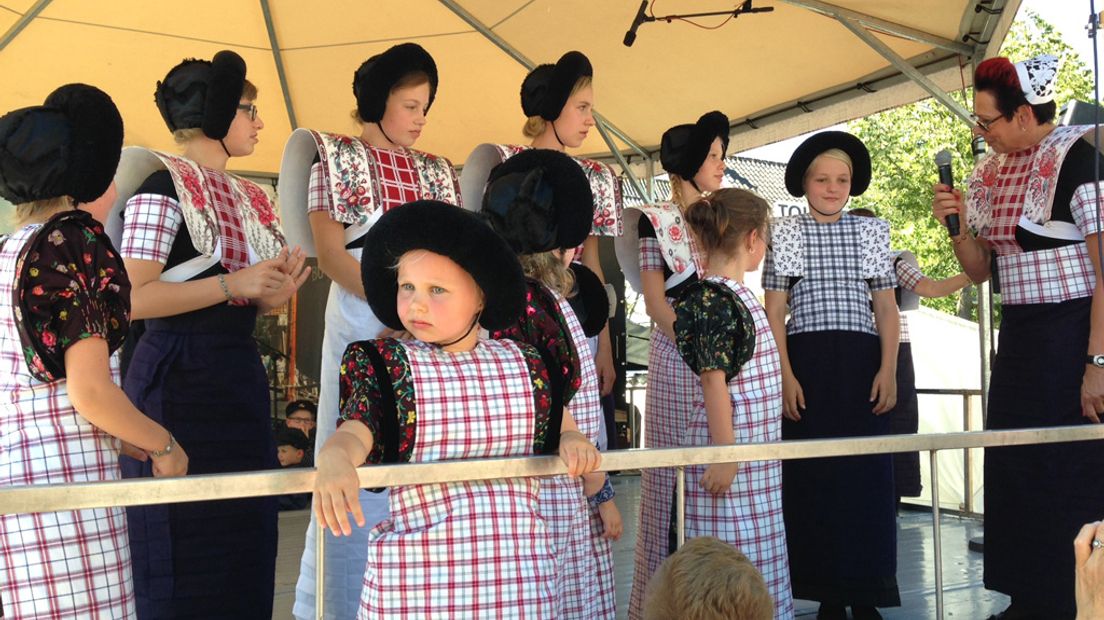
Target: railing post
{"x": 319, "y": 571}
{"x": 680, "y": 504}
{"x": 937, "y": 540}
{"x": 967, "y": 460}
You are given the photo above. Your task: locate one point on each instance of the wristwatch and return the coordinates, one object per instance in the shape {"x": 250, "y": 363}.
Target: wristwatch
{"x": 1095, "y": 360}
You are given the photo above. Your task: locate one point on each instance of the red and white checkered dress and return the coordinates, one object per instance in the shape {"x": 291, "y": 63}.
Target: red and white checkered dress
{"x": 672, "y": 387}
{"x": 71, "y": 564}
{"x": 749, "y": 516}
{"x": 465, "y": 549}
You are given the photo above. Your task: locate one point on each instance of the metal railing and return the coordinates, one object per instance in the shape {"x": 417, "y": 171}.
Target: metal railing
{"x": 47, "y": 498}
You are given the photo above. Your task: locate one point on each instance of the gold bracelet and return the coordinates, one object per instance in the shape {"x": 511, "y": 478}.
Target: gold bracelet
{"x": 225, "y": 288}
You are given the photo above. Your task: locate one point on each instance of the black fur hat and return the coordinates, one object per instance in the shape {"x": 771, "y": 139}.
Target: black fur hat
{"x": 816, "y": 144}
{"x": 375, "y": 78}
{"x": 462, "y": 236}
{"x": 539, "y": 200}
{"x": 69, "y": 146}
{"x": 202, "y": 93}
{"x": 590, "y": 301}
{"x": 684, "y": 148}
{"x": 547, "y": 87}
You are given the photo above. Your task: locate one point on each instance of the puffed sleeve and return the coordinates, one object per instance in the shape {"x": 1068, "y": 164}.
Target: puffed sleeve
{"x": 385, "y": 406}
{"x": 714, "y": 330}
{"x": 72, "y": 286}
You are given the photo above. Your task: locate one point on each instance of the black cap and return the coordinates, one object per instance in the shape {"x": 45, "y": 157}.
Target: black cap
{"x": 545, "y": 91}
{"x": 816, "y": 144}
{"x": 684, "y": 148}
{"x": 374, "y": 79}
{"x": 202, "y": 93}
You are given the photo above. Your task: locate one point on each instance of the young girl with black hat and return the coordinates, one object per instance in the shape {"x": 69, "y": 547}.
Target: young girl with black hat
{"x": 468, "y": 549}
{"x": 64, "y": 311}
{"x": 722, "y": 333}
{"x": 831, "y": 272}
{"x": 540, "y": 203}
{"x": 659, "y": 260}
{"x": 206, "y": 256}
{"x": 332, "y": 189}
{"x": 558, "y": 102}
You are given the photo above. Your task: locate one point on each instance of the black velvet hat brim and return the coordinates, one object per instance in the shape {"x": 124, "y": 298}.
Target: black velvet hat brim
{"x": 534, "y": 89}
{"x": 450, "y": 231}
{"x": 96, "y": 138}
{"x": 528, "y": 223}
{"x": 565, "y": 74}
{"x": 684, "y": 148}
{"x": 31, "y": 165}
{"x": 816, "y": 144}
{"x": 224, "y": 90}
{"x": 591, "y": 303}
{"x": 374, "y": 79}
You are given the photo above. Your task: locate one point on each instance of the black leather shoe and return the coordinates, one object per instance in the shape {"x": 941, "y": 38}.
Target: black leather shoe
{"x": 859, "y": 612}
{"x": 831, "y": 612}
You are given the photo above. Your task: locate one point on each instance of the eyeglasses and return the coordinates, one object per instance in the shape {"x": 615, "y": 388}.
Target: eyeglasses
{"x": 250, "y": 108}
{"x": 985, "y": 124}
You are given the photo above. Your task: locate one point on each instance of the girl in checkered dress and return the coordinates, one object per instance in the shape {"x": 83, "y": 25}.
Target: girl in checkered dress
{"x": 660, "y": 260}
{"x": 64, "y": 311}
{"x": 466, "y": 549}
{"x": 206, "y": 256}
{"x": 332, "y": 189}
{"x": 539, "y": 201}
{"x": 1030, "y": 220}
{"x": 722, "y": 333}
{"x": 832, "y": 273}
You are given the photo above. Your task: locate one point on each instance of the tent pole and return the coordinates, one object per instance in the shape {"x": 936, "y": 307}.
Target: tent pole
{"x": 625, "y": 169}
{"x": 22, "y": 23}
{"x": 524, "y": 61}
{"x": 278, "y": 58}
{"x": 885, "y": 26}
{"x": 906, "y": 68}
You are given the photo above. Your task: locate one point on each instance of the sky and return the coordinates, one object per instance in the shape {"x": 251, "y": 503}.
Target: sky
{"x": 1069, "y": 18}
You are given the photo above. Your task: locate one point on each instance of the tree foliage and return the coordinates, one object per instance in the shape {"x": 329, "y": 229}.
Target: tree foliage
{"x": 903, "y": 143}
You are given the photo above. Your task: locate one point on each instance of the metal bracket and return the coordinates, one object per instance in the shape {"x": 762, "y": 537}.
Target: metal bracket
{"x": 23, "y": 22}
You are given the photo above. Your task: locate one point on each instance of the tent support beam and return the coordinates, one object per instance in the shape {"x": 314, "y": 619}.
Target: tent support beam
{"x": 23, "y": 22}
{"x": 625, "y": 169}
{"x": 885, "y": 26}
{"x": 910, "y": 71}
{"x": 524, "y": 61}
{"x": 277, "y": 57}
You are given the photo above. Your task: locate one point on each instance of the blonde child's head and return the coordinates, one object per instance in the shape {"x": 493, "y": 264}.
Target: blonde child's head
{"x": 707, "y": 579}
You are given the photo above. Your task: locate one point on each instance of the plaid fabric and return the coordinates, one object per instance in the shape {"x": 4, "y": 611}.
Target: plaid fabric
{"x": 397, "y": 178}
{"x": 71, "y": 564}
{"x": 749, "y": 516}
{"x": 904, "y": 328}
{"x": 606, "y": 591}
{"x": 1083, "y": 206}
{"x": 465, "y": 549}
{"x": 832, "y": 294}
{"x": 318, "y": 193}
{"x": 1046, "y": 276}
{"x": 1007, "y": 202}
{"x": 672, "y": 388}
{"x": 651, "y": 256}
{"x": 908, "y": 276}
{"x": 235, "y": 250}
{"x": 150, "y": 224}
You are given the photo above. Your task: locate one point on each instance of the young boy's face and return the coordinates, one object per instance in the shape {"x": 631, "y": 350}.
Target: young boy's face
{"x": 289, "y": 455}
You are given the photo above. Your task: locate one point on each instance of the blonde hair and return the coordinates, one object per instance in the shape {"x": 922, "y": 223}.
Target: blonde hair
{"x": 837, "y": 154}
{"x": 27, "y": 210}
{"x": 721, "y": 221}
{"x": 707, "y": 579}
{"x": 184, "y": 136}
{"x": 535, "y": 125}
{"x": 676, "y": 190}
{"x": 549, "y": 270}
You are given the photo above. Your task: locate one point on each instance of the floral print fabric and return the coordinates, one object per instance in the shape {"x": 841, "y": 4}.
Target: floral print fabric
{"x": 72, "y": 286}
{"x": 714, "y": 329}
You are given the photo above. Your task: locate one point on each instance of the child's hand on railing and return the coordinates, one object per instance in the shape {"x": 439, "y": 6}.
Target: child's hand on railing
{"x": 580, "y": 456}
{"x": 336, "y": 492}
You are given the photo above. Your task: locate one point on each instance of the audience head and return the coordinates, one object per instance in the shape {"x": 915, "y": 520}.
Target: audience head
{"x": 707, "y": 579}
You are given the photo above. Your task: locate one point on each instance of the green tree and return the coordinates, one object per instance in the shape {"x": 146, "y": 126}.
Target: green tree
{"x": 903, "y": 143}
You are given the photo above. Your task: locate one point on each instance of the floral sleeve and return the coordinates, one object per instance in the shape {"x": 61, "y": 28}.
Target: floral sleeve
{"x": 388, "y": 410}
{"x": 72, "y": 286}
{"x": 714, "y": 330}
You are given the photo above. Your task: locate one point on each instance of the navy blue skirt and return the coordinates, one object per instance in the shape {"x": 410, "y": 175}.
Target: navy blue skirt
{"x": 841, "y": 524}
{"x": 905, "y": 420}
{"x": 1038, "y": 497}
{"x": 200, "y": 375}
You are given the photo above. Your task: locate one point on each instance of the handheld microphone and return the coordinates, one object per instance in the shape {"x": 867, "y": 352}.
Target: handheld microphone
{"x": 630, "y": 36}
{"x": 943, "y": 163}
